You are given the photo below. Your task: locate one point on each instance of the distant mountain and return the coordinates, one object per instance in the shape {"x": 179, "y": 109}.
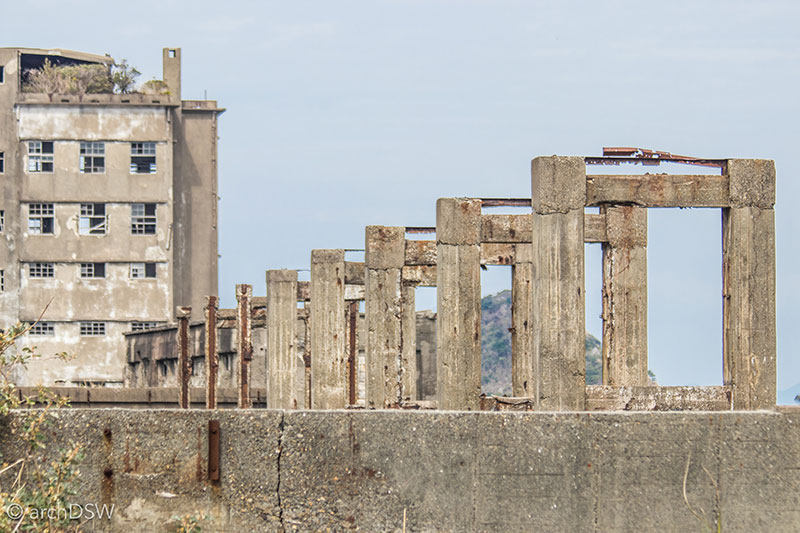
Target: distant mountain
{"x": 496, "y": 346}
{"x": 787, "y": 396}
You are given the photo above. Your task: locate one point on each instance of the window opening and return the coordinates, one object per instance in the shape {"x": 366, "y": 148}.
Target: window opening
{"x": 143, "y": 270}
{"x": 41, "y": 329}
{"x": 143, "y": 158}
{"x": 41, "y": 270}
{"x": 593, "y": 291}
{"x": 93, "y": 158}
{"x": 143, "y": 219}
{"x": 40, "y": 219}
{"x": 2, "y": 162}
{"x": 93, "y": 329}
{"x": 92, "y": 219}
{"x": 2, "y": 281}
{"x": 2, "y": 74}
{"x": 93, "y": 270}
{"x": 142, "y": 326}
{"x": 2, "y": 220}
{"x": 40, "y": 156}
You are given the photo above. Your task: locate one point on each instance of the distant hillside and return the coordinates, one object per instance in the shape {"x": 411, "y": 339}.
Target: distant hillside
{"x": 496, "y": 346}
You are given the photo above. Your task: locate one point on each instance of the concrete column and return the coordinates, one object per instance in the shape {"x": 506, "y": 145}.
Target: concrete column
{"x": 625, "y": 297}
{"x": 458, "y": 282}
{"x": 282, "y": 359}
{"x": 212, "y": 352}
{"x": 523, "y": 375}
{"x": 184, "y": 360}
{"x": 244, "y": 331}
{"x": 384, "y": 258}
{"x": 748, "y": 265}
{"x": 558, "y": 307}
{"x": 328, "y": 353}
{"x": 408, "y": 360}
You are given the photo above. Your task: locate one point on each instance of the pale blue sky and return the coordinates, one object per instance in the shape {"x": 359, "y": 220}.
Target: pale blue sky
{"x": 344, "y": 114}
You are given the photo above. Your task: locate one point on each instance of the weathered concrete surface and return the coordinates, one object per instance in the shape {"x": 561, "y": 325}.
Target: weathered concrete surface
{"x": 284, "y": 391}
{"x": 383, "y": 305}
{"x": 446, "y": 471}
{"x": 558, "y": 186}
{"x": 328, "y": 357}
{"x": 458, "y": 294}
{"x": 752, "y": 182}
{"x": 625, "y": 297}
{"x": 748, "y": 306}
{"x": 523, "y": 375}
{"x": 658, "y": 190}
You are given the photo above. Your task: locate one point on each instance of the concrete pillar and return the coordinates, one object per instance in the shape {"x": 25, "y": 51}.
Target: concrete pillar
{"x": 458, "y": 282}
{"x": 557, "y": 291}
{"x": 184, "y": 359}
{"x": 625, "y": 297}
{"x": 748, "y": 265}
{"x": 328, "y": 353}
{"x": 244, "y": 331}
{"x": 384, "y": 258}
{"x": 282, "y": 360}
{"x": 523, "y": 375}
{"x": 212, "y": 352}
{"x": 408, "y": 333}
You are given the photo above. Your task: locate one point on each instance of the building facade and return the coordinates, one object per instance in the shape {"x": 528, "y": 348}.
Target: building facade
{"x": 108, "y": 213}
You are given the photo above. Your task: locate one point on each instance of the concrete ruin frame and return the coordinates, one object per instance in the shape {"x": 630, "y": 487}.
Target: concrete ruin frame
{"x": 745, "y": 192}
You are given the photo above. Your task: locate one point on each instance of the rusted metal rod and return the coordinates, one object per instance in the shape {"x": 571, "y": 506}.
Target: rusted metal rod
{"x": 244, "y": 295}
{"x": 184, "y": 368}
{"x": 212, "y": 352}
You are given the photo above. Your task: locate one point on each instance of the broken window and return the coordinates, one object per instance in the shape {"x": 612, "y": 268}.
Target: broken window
{"x": 2, "y": 280}
{"x": 2, "y": 162}
{"x": 93, "y": 157}
{"x": 143, "y": 219}
{"x": 40, "y": 156}
{"x": 92, "y": 220}
{"x": 143, "y": 270}
{"x": 43, "y": 328}
{"x": 93, "y": 329}
{"x": 93, "y": 270}
{"x": 40, "y": 219}
{"x": 41, "y": 270}
{"x": 143, "y": 158}
{"x": 142, "y": 326}
{"x": 2, "y": 220}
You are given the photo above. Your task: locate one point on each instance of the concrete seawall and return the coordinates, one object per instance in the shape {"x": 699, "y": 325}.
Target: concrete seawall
{"x": 442, "y": 471}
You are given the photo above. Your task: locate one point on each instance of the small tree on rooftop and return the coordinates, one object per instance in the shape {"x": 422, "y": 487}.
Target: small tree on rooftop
{"x": 124, "y": 77}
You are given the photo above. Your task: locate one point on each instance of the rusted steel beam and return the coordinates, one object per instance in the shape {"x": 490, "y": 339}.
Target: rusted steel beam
{"x": 213, "y": 450}
{"x": 505, "y": 202}
{"x": 420, "y": 229}
{"x": 658, "y": 190}
{"x": 244, "y": 294}
{"x": 212, "y": 352}
{"x": 184, "y": 367}
{"x": 653, "y": 157}
{"x": 352, "y": 356}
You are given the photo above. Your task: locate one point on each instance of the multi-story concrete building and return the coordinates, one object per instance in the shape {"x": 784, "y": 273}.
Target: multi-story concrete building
{"x": 108, "y": 213}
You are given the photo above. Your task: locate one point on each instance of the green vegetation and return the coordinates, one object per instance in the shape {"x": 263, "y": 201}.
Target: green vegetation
{"x": 90, "y": 78}
{"x": 28, "y": 482}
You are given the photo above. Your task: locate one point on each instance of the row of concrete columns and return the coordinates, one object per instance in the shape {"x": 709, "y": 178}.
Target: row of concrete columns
{"x": 546, "y": 251}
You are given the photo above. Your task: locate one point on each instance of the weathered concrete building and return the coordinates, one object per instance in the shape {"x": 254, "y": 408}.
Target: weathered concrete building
{"x": 108, "y": 212}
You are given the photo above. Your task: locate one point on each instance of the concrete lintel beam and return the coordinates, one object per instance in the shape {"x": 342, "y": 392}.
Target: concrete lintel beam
{"x": 752, "y": 182}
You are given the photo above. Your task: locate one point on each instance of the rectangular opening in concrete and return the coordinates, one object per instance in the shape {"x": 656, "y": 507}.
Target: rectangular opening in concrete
{"x": 684, "y": 303}
{"x": 496, "y": 330}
